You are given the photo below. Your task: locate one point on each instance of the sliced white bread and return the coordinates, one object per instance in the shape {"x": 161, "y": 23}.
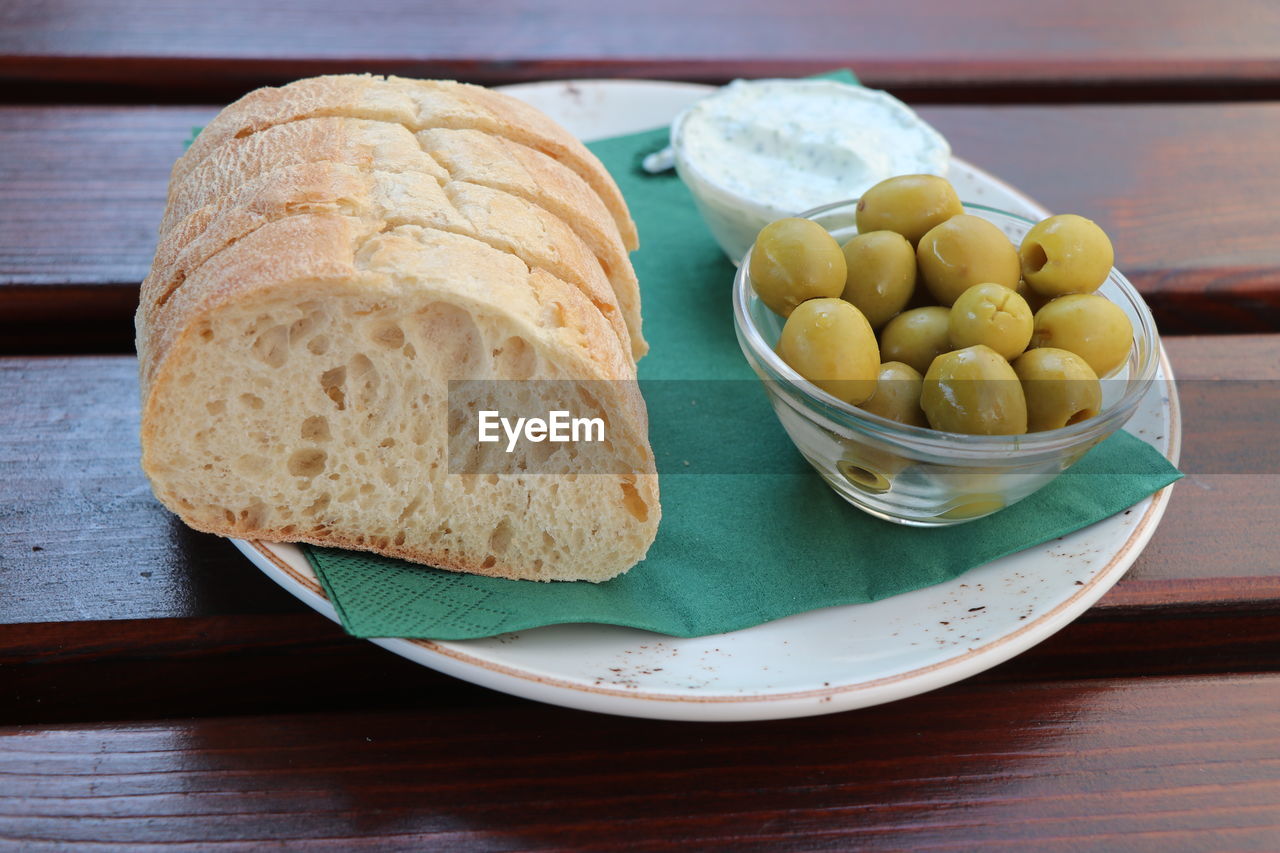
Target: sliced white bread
{"x": 491, "y": 161}
{"x": 538, "y": 238}
{"x": 417, "y": 105}
{"x": 448, "y": 156}
{"x": 296, "y": 385}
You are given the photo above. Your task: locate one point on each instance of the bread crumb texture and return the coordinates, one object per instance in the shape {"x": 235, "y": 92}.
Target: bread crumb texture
{"x": 322, "y": 276}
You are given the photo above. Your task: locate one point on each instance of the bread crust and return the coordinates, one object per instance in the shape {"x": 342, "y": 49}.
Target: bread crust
{"x": 323, "y": 248}
{"x": 394, "y": 198}
{"x": 467, "y": 156}
{"x": 492, "y": 161}
{"x": 334, "y": 254}
{"x": 417, "y": 105}
{"x": 322, "y": 252}
{"x": 362, "y": 143}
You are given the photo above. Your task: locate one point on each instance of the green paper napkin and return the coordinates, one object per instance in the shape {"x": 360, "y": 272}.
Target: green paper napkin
{"x": 734, "y": 549}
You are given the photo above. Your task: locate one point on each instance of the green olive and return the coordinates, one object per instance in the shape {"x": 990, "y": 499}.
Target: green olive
{"x": 1066, "y": 254}
{"x": 921, "y": 297}
{"x": 897, "y": 395}
{"x": 964, "y": 251}
{"x": 917, "y": 337}
{"x": 993, "y": 315}
{"x": 881, "y": 274}
{"x": 830, "y": 343}
{"x": 975, "y": 505}
{"x": 870, "y": 469}
{"x": 1060, "y": 386}
{"x": 794, "y": 260}
{"x": 909, "y": 205}
{"x": 974, "y": 390}
{"x": 1089, "y": 325}
{"x": 1034, "y": 300}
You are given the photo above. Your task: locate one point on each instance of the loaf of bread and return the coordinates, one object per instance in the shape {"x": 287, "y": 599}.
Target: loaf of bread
{"x": 504, "y": 221}
{"x": 334, "y": 254}
{"x": 417, "y": 105}
{"x": 447, "y": 155}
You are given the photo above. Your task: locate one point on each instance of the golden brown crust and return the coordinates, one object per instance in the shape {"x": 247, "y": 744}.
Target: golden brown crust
{"x": 309, "y": 231}
{"x": 313, "y": 97}
{"x": 541, "y": 240}
{"x": 386, "y": 146}
{"x": 329, "y": 248}
{"x": 301, "y": 248}
{"x": 535, "y": 130}
{"x": 467, "y": 156}
{"x": 491, "y": 161}
{"x": 501, "y": 220}
{"x": 438, "y": 559}
{"x": 417, "y": 105}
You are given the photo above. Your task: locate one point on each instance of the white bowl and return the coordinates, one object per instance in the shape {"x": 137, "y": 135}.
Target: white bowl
{"x": 757, "y": 151}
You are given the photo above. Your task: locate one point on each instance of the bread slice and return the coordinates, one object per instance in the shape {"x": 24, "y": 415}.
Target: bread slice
{"x": 296, "y": 388}
{"x": 352, "y": 142}
{"x": 503, "y": 221}
{"x": 417, "y": 105}
{"x": 447, "y": 155}
{"x": 491, "y": 161}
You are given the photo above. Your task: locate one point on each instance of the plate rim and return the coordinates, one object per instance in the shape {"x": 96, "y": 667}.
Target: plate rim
{"x": 450, "y": 658}
{"x": 999, "y": 648}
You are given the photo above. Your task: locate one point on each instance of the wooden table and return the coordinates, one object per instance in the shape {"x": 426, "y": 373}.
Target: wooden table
{"x": 155, "y": 688}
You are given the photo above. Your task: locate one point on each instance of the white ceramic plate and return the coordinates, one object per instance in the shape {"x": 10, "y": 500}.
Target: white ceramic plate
{"x": 812, "y": 663}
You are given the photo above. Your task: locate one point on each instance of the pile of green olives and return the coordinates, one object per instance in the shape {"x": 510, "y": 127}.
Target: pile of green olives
{"x": 932, "y": 317}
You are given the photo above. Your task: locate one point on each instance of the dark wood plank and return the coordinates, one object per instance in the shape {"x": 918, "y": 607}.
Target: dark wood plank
{"x": 81, "y": 195}
{"x": 229, "y": 664}
{"x": 84, "y": 539}
{"x": 1092, "y": 49}
{"x": 110, "y": 605}
{"x": 1177, "y": 188}
{"x": 236, "y": 664}
{"x": 1166, "y": 181}
{"x": 1223, "y": 513}
{"x": 1180, "y": 764}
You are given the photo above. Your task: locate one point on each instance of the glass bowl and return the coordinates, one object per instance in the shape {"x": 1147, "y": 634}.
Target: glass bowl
{"x": 924, "y": 477}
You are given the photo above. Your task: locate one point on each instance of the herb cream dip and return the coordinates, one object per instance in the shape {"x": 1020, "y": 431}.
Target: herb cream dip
{"x": 756, "y": 151}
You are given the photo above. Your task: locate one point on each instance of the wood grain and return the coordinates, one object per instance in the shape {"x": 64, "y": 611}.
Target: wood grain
{"x": 101, "y": 175}
{"x": 1150, "y": 723}
{"x": 85, "y": 540}
{"x": 1165, "y": 181}
{"x": 106, "y": 596}
{"x": 1167, "y": 185}
{"x": 1222, "y": 513}
{"x": 1091, "y": 49}
{"x": 236, "y": 664}
{"x": 1177, "y": 764}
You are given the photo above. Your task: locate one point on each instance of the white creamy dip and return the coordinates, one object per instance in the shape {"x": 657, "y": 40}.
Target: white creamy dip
{"x": 759, "y": 150}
